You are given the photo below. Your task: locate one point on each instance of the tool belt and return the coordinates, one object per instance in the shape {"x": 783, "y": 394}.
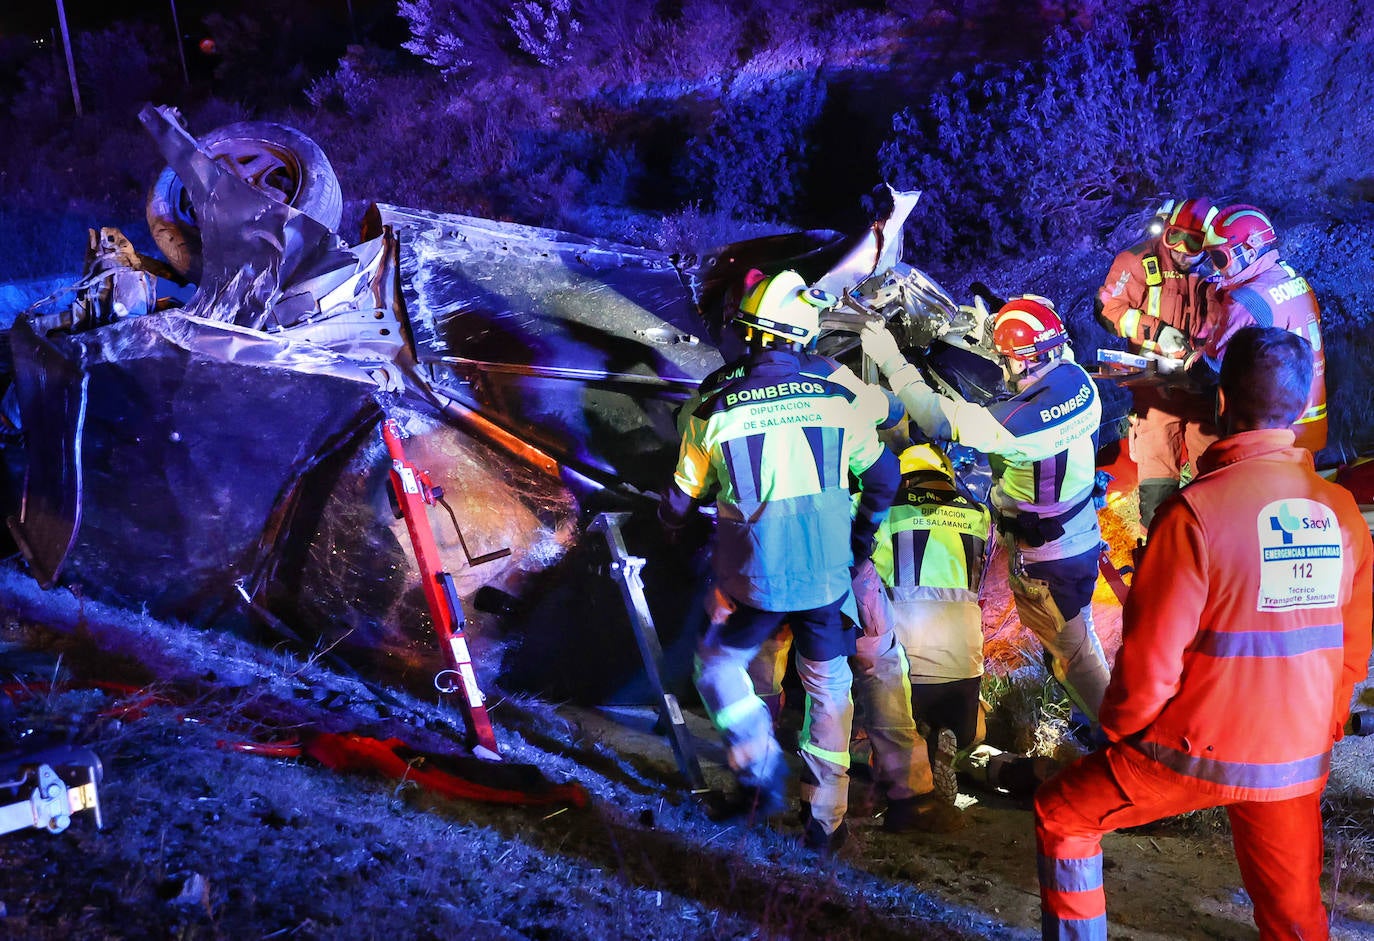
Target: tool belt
{"x": 1032, "y": 529}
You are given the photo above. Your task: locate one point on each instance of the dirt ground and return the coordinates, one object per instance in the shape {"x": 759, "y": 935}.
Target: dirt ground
{"x": 202, "y": 840}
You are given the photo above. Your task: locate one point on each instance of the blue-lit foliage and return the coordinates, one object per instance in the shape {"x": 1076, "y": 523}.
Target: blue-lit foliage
{"x": 750, "y": 160}
{"x": 1036, "y": 132}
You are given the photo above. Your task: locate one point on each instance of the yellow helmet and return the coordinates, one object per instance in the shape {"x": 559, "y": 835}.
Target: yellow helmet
{"x": 926, "y": 457}
{"x": 782, "y": 305}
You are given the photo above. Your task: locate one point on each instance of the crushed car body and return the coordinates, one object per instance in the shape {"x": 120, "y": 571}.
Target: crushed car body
{"x": 220, "y": 463}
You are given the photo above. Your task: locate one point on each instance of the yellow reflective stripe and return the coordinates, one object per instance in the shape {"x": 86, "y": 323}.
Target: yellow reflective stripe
{"x": 732, "y": 714}
{"x": 834, "y": 757}
{"x": 1152, "y": 303}
{"x": 1315, "y": 413}
{"x": 1129, "y": 323}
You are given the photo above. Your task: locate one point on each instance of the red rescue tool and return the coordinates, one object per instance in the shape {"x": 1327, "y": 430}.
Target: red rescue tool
{"x": 414, "y": 491}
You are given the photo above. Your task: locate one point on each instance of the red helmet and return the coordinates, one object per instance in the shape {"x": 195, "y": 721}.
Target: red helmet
{"x": 1239, "y": 235}
{"x": 1186, "y": 224}
{"x": 1027, "y": 327}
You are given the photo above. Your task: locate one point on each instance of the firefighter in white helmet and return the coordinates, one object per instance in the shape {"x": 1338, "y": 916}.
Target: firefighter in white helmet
{"x": 775, "y": 442}
{"x": 1042, "y": 443}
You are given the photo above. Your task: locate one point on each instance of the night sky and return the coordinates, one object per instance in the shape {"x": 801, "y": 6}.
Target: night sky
{"x": 38, "y": 17}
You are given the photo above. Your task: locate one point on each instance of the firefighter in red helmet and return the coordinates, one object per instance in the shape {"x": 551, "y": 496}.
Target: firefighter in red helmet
{"x": 1155, "y": 296}
{"x": 1256, "y": 286}
{"x": 1043, "y": 442}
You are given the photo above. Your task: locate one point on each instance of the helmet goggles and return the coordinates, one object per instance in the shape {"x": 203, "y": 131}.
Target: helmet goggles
{"x": 1183, "y": 241}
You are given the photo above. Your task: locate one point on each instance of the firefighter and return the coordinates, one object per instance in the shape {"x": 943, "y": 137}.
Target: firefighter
{"x": 1155, "y": 296}
{"x": 1255, "y": 591}
{"x": 1042, "y": 443}
{"x": 775, "y": 441}
{"x": 1255, "y": 286}
{"x": 929, "y": 555}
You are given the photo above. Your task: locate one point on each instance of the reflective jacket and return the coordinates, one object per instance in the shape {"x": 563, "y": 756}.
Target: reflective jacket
{"x": 1042, "y": 444}
{"x": 1145, "y": 291}
{"x": 870, "y": 399}
{"x": 929, "y": 554}
{"x": 1247, "y": 626}
{"x": 777, "y": 444}
{"x": 1271, "y": 294}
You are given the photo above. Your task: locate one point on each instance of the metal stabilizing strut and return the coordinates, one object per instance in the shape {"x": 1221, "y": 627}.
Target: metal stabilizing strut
{"x": 413, "y": 492}
{"x": 47, "y": 801}
{"x": 625, "y": 569}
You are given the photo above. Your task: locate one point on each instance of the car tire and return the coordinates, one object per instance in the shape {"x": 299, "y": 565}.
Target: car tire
{"x": 276, "y": 159}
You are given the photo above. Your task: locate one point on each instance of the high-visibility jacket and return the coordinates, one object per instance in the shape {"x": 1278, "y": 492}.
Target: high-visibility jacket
{"x": 870, "y": 399}
{"x": 1248, "y": 626}
{"x": 933, "y": 541}
{"x": 1271, "y": 294}
{"x": 1042, "y": 445}
{"x": 930, "y": 553}
{"x": 777, "y": 445}
{"x": 1146, "y": 291}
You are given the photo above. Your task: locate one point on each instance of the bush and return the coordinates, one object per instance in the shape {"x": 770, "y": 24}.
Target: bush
{"x": 750, "y": 160}
{"x": 452, "y": 35}
{"x": 1052, "y": 152}
{"x": 123, "y": 66}
{"x": 462, "y": 36}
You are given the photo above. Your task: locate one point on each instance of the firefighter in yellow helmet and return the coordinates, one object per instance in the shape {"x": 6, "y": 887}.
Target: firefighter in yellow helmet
{"x": 775, "y": 441}
{"x": 931, "y": 553}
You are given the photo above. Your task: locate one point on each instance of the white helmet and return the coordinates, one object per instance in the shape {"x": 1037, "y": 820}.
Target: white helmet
{"x": 783, "y": 306}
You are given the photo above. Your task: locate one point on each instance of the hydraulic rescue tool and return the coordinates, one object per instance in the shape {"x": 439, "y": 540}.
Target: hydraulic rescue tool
{"x": 625, "y": 569}
{"x": 45, "y": 798}
{"x": 413, "y": 491}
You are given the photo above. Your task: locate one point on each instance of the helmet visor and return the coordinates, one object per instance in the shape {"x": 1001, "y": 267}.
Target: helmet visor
{"x": 1184, "y": 241}
{"x": 1220, "y": 258}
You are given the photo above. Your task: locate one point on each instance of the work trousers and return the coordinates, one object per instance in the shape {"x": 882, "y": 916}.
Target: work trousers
{"x": 1159, "y": 442}
{"x": 878, "y": 678}
{"x": 1278, "y": 844}
{"x": 1054, "y": 600}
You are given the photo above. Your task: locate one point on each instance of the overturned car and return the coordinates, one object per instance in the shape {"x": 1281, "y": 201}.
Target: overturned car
{"x": 221, "y": 462}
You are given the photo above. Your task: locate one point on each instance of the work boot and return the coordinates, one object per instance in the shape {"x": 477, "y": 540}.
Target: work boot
{"x": 942, "y": 766}
{"x": 925, "y": 813}
{"x": 815, "y": 838}
{"x": 755, "y": 802}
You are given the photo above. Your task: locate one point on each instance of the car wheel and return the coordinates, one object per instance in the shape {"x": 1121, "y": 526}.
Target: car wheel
{"x": 278, "y": 160}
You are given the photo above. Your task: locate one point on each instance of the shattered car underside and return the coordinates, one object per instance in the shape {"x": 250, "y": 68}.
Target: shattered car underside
{"x": 221, "y": 463}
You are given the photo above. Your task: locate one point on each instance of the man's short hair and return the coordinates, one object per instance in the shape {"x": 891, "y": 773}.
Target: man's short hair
{"x": 1267, "y": 377}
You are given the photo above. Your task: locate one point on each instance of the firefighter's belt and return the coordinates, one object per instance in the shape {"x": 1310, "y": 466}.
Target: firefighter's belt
{"x": 1033, "y": 529}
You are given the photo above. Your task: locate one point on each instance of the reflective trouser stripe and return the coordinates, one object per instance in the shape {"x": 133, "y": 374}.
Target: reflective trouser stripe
{"x": 824, "y": 737}
{"x": 882, "y": 685}
{"x": 1072, "y": 904}
{"x": 742, "y": 718}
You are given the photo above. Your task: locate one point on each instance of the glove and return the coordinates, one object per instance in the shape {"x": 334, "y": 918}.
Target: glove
{"x": 719, "y": 606}
{"x": 1171, "y": 341}
{"x": 880, "y": 346}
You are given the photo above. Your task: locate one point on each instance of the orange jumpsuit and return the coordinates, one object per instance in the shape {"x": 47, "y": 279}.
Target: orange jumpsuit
{"x": 1271, "y": 294}
{"x": 1248, "y": 626}
{"x": 1146, "y": 291}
